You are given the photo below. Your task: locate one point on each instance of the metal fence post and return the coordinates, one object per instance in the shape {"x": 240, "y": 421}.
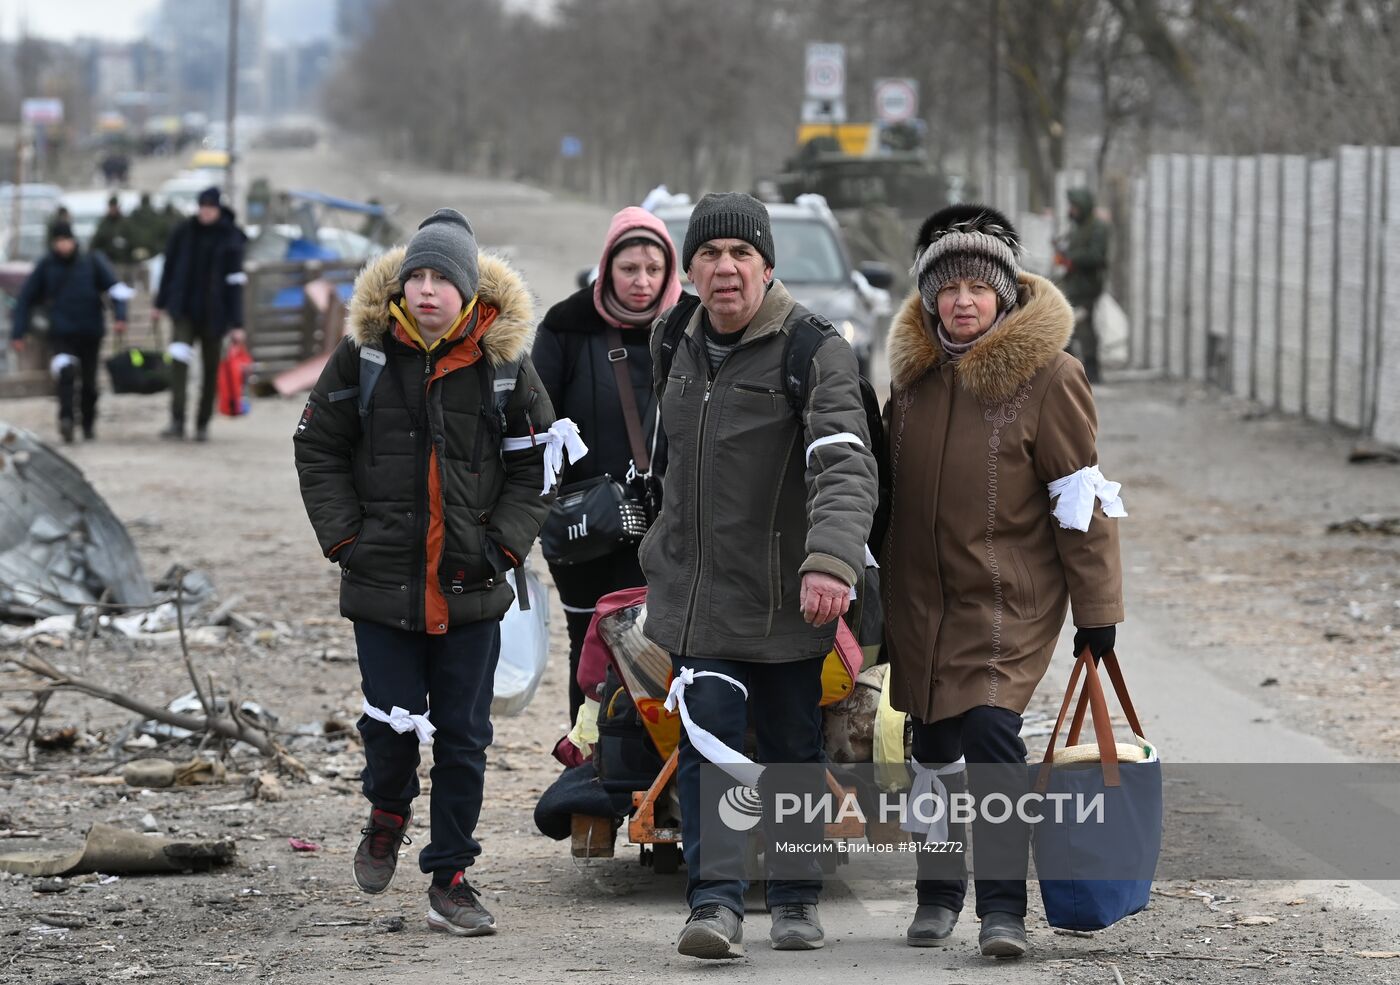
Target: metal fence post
{"x": 1379, "y": 348}
{"x": 1336, "y": 292}
{"x": 1210, "y": 268}
{"x": 1307, "y": 287}
{"x": 1169, "y": 264}
{"x": 1367, "y": 325}
{"x": 1149, "y": 264}
{"x": 1230, "y": 330}
{"x": 1278, "y": 292}
{"x": 1190, "y": 253}
{"x": 1258, "y": 286}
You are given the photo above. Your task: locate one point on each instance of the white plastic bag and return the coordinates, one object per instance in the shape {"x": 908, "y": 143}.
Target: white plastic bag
{"x": 524, "y": 648}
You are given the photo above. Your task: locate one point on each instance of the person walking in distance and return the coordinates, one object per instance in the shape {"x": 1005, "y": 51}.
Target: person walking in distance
{"x": 1082, "y": 257}
{"x": 201, "y": 288}
{"x": 71, "y": 284}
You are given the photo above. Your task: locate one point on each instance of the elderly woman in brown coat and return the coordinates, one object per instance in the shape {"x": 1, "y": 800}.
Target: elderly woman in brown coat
{"x": 1001, "y": 520}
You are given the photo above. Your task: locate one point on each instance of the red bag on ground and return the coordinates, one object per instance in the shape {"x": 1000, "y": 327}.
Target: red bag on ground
{"x": 233, "y": 380}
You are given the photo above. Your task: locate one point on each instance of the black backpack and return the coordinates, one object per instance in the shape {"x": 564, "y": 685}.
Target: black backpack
{"x": 806, "y": 336}
{"x": 372, "y": 362}
{"x": 626, "y": 757}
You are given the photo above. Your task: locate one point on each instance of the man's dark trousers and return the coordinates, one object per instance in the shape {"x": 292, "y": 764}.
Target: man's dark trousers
{"x": 1086, "y": 337}
{"x": 455, "y": 673}
{"x": 87, "y": 350}
{"x": 787, "y": 718}
{"x": 985, "y": 734}
{"x": 210, "y": 343}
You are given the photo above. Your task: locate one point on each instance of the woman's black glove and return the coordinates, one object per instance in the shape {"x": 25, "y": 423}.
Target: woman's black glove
{"x": 1099, "y": 640}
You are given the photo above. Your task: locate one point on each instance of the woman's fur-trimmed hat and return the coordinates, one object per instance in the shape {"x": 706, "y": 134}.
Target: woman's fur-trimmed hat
{"x": 973, "y": 242}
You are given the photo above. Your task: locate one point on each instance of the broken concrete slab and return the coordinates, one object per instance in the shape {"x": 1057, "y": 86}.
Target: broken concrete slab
{"x": 116, "y": 851}
{"x": 61, "y": 546}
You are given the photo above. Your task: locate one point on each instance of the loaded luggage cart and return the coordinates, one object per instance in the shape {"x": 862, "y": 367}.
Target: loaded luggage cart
{"x": 638, "y": 738}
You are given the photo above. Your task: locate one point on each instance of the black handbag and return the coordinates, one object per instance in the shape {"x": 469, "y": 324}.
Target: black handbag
{"x": 591, "y": 519}
{"x": 595, "y": 517}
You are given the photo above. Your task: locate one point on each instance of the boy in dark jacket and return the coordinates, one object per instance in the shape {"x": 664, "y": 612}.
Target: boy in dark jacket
{"x": 426, "y": 498}
{"x": 72, "y": 284}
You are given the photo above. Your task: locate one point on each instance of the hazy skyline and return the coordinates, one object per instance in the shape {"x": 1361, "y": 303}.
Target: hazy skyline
{"x": 126, "y": 20}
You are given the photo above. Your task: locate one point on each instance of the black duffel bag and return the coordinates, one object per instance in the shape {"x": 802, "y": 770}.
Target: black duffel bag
{"x": 591, "y": 519}
{"x": 139, "y": 371}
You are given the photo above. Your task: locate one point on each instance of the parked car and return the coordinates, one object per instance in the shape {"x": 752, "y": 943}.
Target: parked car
{"x": 815, "y": 266}
{"x": 183, "y": 190}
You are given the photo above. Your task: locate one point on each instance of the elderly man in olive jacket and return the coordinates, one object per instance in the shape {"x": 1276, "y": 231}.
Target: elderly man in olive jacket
{"x": 753, "y": 558}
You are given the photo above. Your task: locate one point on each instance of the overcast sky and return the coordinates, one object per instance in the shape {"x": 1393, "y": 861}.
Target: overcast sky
{"x": 125, "y": 20}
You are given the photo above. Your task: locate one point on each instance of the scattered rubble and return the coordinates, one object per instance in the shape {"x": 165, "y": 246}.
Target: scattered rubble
{"x": 110, "y": 850}
{"x": 66, "y": 549}
{"x": 1367, "y": 523}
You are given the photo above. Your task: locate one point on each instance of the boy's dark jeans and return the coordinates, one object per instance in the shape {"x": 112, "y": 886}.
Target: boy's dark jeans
{"x": 455, "y": 674}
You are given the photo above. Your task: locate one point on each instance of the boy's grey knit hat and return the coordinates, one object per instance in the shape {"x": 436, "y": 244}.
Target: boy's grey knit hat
{"x": 444, "y": 242}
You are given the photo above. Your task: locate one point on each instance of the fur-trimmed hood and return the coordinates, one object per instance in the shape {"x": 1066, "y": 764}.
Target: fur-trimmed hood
{"x": 501, "y": 286}
{"x": 1029, "y": 337}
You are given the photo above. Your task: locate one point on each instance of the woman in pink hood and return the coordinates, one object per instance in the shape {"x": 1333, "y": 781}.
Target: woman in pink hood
{"x": 578, "y": 347}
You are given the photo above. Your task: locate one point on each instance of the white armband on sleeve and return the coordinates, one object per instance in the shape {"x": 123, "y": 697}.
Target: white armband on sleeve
{"x": 1076, "y": 494}
{"x": 560, "y": 441}
{"x": 120, "y": 292}
{"x": 237, "y": 277}
{"x": 844, "y": 438}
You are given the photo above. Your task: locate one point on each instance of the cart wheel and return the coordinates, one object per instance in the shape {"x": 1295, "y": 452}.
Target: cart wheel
{"x": 666, "y": 858}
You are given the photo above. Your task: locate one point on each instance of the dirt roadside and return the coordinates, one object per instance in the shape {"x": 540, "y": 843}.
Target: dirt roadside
{"x": 1226, "y": 548}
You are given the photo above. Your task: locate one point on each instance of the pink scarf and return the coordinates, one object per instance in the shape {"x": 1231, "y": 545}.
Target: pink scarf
{"x": 635, "y": 223}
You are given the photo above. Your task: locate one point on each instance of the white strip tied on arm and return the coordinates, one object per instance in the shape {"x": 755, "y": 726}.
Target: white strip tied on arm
{"x": 1076, "y": 493}
{"x": 706, "y": 743}
{"x": 844, "y": 438}
{"x": 921, "y": 817}
{"x": 562, "y": 439}
{"x": 401, "y": 721}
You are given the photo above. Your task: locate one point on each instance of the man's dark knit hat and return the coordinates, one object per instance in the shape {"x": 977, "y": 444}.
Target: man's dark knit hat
{"x": 972, "y": 242}
{"x": 729, "y": 215}
{"x": 60, "y": 230}
{"x": 445, "y": 242}
{"x": 210, "y": 196}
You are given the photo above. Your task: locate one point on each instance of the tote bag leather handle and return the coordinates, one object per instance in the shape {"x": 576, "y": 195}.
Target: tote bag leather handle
{"x": 1098, "y": 709}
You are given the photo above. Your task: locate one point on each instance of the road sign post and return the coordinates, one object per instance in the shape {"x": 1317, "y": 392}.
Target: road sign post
{"x": 825, "y": 87}
{"x": 896, "y": 101}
